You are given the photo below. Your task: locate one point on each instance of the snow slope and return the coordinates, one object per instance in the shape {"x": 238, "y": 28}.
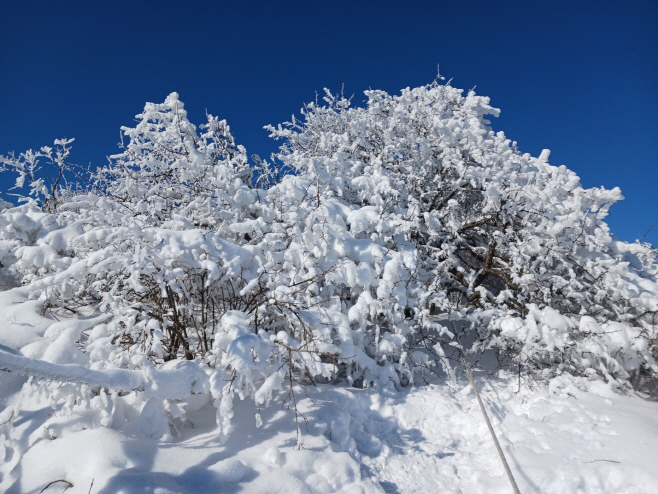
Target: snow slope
{"x": 572, "y": 436}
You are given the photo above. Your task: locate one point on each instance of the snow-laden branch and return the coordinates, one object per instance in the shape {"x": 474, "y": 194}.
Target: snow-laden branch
{"x": 176, "y": 382}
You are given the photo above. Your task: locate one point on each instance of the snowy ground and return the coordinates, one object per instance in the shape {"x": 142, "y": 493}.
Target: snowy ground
{"x": 570, "y": 437}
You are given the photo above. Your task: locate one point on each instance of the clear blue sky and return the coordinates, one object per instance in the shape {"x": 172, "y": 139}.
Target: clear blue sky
{"x": 576, "y": 77}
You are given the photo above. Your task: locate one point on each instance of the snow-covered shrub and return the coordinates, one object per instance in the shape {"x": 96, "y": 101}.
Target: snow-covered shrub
{"x": 382, "y": 244}
{"x": 471, "y": 228}
{"x": 170, "y": 175}
{"x": 48, "y": 185}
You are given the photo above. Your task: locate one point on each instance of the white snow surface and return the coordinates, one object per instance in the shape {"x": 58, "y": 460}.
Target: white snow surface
{"x": 570, "y": 436}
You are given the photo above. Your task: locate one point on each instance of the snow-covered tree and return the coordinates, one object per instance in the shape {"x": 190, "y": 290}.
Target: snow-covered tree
{"x": 472, "y": 228}
{"x": 168, "y": 173}
{"x": 382, "y": 244}
{"x": 45, "y": 185}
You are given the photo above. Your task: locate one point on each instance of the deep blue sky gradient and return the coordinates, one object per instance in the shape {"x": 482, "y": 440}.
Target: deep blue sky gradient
{"x": 575, "y": 77}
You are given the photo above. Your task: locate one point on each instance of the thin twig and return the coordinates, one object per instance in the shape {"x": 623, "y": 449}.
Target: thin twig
{"x": 68, "y": 485}
{"x": 10, "y": 417}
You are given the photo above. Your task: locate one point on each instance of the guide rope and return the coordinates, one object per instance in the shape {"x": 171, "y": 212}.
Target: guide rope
{"x": 493, "y": 434}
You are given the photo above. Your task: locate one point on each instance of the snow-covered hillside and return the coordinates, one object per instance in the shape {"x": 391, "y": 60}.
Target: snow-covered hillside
{"x": 184, "y": 319}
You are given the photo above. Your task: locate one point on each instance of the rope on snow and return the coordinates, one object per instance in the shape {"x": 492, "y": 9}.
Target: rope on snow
{"x": 493, "y": 434}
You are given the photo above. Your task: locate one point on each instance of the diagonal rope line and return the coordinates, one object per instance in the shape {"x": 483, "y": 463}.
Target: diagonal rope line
{"x": 493, "y": 434}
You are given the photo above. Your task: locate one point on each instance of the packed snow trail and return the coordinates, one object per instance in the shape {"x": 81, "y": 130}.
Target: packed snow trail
{"x": 557, "y": 440}
{"x": 510, "y": 475}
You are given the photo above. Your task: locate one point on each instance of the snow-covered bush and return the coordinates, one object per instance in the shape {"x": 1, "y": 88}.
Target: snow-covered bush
{"x": 471, "y": 228}
{"x": 384, "y": 243}
{"x": 45, "y": 186}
